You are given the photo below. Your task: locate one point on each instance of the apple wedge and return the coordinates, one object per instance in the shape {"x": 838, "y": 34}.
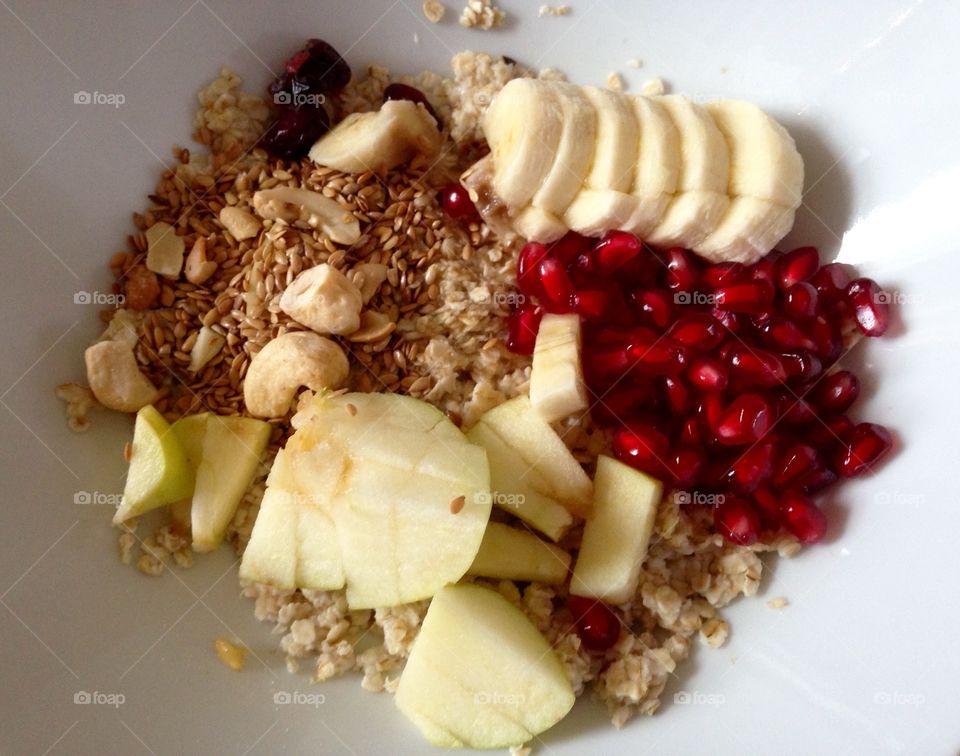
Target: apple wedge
{"x": 158, "y": 473}
{"x": 617, "y": 534}
{"x": 557, "y": 388}
{"x": 513, "y": 554}
{"x": 480, "y": 674}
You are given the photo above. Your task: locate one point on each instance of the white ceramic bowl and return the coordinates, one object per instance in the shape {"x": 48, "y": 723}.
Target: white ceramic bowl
{"x": 865, "y": 657}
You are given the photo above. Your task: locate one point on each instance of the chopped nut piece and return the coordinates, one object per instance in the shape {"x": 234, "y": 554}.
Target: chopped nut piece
{"x": 373, "y": 327}
{"x": 80, "y": 400}
{"x": 482, "y": 14}
{"x": 205, "y": 348}
{"x": 241, "y": 224}
{"x": 141, "y": 288}
{"x": 615, "y": 82}
{"x": 124, "y": 327}
{"x": 324, "y": 300}
{"x": 164, "y": 251}
{"x": 198, "y": 268}
{"x": 371, "y": 276}
{"x": 653, "y": 87}
{"x": 634, "y": 63}
{"x": 553, "y": 10}
{"x": 230, "y": 654}
{"x": 777, "y": 603}
{"x": 433, "y": 10}
{"x": 115, "y": 377}
{"x": 457, "y": 505}
{"x": 290, "y": 205}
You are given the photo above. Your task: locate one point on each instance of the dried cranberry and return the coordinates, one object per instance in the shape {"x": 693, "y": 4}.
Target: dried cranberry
{"x": 293, "y": 133}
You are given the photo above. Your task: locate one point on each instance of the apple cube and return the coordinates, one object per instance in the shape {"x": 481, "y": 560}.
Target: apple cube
{"x": 512, "y": 554}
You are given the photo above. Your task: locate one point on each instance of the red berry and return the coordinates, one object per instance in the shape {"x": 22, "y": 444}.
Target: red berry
{"x": 597, "y": 624}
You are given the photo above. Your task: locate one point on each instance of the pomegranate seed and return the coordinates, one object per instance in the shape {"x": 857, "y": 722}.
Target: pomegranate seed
{"x": 710, "y": 411}
{"x": 610, "y": 363}
{"x": 796, "y": 411}
{"x": 797, "y": 460}
{"x": 802, "y": 366}
{"x": 555, "y": 285}
{"x": 816, "y": 479}
{"x": 596, "y": 623}
{"x": 765, "y": 269}
{"x": 690, "y": 432}
{"x": 397, "y": 91}
{"x": 827, "y": 336}
{"x": 590, "y": 303}
{"x": 755, "y": 367}
{"x": 653, "y": 306}
{"x": 657, "y": 356}
{"x": 796, "y": 266}
{"x": 708, "y": 374}
{"x": 569, "y": 247}
{"x": 785, "y": 336}
{"x": 802, "y": 517}
{"x": 750, "y": 297}
{"x": 731, "y": 321}
{"x": 736, "y": 521}
{"x": 754, "y": 467}
{"x": 830, "y": 433}
{"x": 699, "y": 331}
{"x": 617, "y": 407}
{"x": 682, "y": 271}
{"x": 723, "y": 274}
{"x": 528, "y": 280}
{"x": 836, "y": 392}
{"x": 831, "y": 282}
{"x": 676, "y": 395}
{"x": 456, "y": 203}
{"x": 870, "y": 306}
{"x": 584, "y": 267}
{"x": 615, "y": 250}
{"x": 800, "y": 301}
{"x": 522, "y": 328}
{"x": 868, "y": 443}
{"x": 747, "y": 419}
{"x": 642, "y": 447}
{"x": 684, "y": 464}
{"x": 767, "y": 504}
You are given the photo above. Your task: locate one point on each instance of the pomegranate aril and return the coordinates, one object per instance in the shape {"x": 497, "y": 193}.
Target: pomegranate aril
{"x": 642, "y": 447}
{"x": 615, "y": 250}
{"x": 619, "y": 406}
{"x": 590, "y": 303}
{"x": 800, "y": 301}
{"x": 801, "y": 366}
{"x": 750, "y": 297}
{"x": 457, "y": 204}
{"x": 802, "y": 517}
{"x": 682, "y": 272}
{"x": 699, "y": 331}
{"x": 765, "y": 269}
{"x": 691, "y": 432}
{"x": 867, "y": 444}
{"x": 835, "y": 393}
{"x": 736, "y": 521}
{"x": 555, "y": 285}
{"x": 826, "y": 334}
{"x": 522, "y": 327}
{"x": 529, "y": 259}
{"x": 397, "y": 91}
{"x": 745, "y": 420}
{"x": 684, "y": 464}
{"x": 767, "y": 505}
{"x": 796, "y": 411}
{"x": 708, "y": 374}
{"x": 795, "y": 461}
{"x": 723, "y": 274}
{"x": 710, "y": 411}
{"x": 785, "y": 336}
{"x": 870, "y": 305}
{"x": 796, "y": 266}
{"x": 596, "y": 623}
{"x": 831, "y": 282}
{"x": 754, "y": 467}
{"x": 830, "y": 432}
{"x": 653, "y": 306}
{"x": 676, "y": 395}
{"x": 755, "y": 367}
{"x": 729, "y": 321}
{"x": 659, "y": 356}
{"x": 816, "y": 479}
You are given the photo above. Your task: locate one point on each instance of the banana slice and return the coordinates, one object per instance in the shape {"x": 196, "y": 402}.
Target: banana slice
{"x": 749, "y": 229}
{"x": 604, "y": 201}
{"x": 701, "y": 198}
{"x": 658, "y": 165}
{"x": 764, "y": 161}
{"x": 523, "y": 126}
{"x": 537, "y": 224}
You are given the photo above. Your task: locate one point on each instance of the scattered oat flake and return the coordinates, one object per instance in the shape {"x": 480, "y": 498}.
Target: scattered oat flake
{"x": 457, "y": 504}
{"x": 554, "y": 10}
{"x": 653, "y": 87}
{"x": 777, "y": 603}
{"x": 433, "y": 10}
{"x": 230, "y": 654}
{"x": 482, "y": 14}
{"x": 615, "y": 82}
{"x": 634, "y": 63}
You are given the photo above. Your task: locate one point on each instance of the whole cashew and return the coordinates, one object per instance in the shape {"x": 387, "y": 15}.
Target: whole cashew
{"x": 115, "y": 377}
{"x": 291, "y": 360}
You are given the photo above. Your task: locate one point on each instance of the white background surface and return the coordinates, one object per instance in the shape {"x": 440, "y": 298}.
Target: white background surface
{"x": 865, "y": 658}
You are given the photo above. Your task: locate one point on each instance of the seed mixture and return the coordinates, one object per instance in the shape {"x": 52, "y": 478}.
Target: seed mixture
{"x": 432, "y": 296}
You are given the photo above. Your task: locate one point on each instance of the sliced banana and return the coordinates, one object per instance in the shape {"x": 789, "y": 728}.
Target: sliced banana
{"x": 749, "y": 229}
{"x": 764, "y": 161}
{"x": 658, "y": 165}
{"x": 701, "y": 197}
{"x": 537, "y": 224}
{"x": 523, "y": 126}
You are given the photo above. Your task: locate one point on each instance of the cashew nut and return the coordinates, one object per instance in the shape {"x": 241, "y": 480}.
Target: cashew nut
{"x": 241, "y": 224}
{"x": 324, "y": 300}
{"x": 291, "y": 360}
{"x": 124, "y": 327}
{"x": 205, "y": 348}
{"x": 198, "y": 268}
{"x": 290, "y": 204}
{"x": 115, "y": 377}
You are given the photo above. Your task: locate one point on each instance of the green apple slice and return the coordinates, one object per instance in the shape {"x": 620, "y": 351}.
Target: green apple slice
{"x": 189, "y": 431}
{"x": 480, "y": 674}
{"x": 617, "y": 534}
{"x": 158, "y": 473}
{"x": 512, "y": 554}
{"x": 272, "y": 554}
